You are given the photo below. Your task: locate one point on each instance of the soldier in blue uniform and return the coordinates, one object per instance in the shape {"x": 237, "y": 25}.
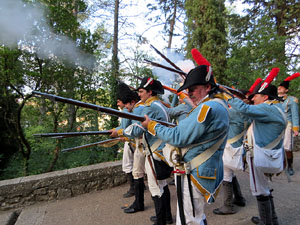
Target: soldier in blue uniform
{"x": 265, "y": 138}
{"x": 202, "y": 138}
{"x": 133, "y": 104}
{"x": 290, "y": 106}
{"x": 148, "y": 91}
{"x": 233, "y": 161}
{"x": 124, "y": 96}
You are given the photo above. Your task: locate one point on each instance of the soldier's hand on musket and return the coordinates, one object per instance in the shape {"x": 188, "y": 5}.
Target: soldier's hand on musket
{"x": 296, "y": 133}
{"x": 114, "y": 133}
{"x": 146, "y": 121}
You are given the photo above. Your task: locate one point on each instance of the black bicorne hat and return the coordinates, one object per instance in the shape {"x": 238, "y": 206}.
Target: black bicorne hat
{"x": 285, "y": 84}
{"x": 125, "y": 94}
{"x": 149, "y": 83}
{"x": 271, "y": 91}
{"x": 200, "y": 75}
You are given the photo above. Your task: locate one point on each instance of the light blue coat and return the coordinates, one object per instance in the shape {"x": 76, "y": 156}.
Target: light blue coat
{"x": 203, "y": 127}
{"x": 269, "y": 121}
{"x": 290, "y": 106}
{"x": 237, "y": 124}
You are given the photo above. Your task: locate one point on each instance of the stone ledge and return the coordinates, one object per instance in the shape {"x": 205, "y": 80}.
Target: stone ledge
{"x": 22, "y": 191}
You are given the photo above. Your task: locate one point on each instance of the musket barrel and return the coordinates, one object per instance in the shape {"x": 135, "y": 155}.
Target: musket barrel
{"x": 181, "y": 73}
{"x": 106, "y": 110}
{"x": 72, "y": 134}
{"x": 166, "y": 58}
{"x": 91, "y": 145}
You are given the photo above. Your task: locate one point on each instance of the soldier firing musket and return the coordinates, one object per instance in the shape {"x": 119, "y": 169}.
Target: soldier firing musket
{"x": 201, "y": 137}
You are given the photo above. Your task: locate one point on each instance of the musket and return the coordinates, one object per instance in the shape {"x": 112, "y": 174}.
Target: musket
{"x": 106, "y": 110}
{"x": 181, "y": 73}
{"x": 72, "y": 134}
{"x": 105, "y": 143}
{"x": 166, "y": 58}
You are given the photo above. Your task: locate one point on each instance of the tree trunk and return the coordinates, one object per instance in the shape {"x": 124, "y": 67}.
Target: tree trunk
{"x": 172, "y": 25}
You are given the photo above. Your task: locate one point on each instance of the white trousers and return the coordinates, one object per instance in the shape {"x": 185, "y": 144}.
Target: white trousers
{"x": 259, "y": 183}
{"x": 138, "y": 170}
{"x": 127, "y": 160}
{"x": 198, "y": 200}
{"x": 288, "y": 138}
{"x": 228, "y": 174}
{"x": 156, "y": 187}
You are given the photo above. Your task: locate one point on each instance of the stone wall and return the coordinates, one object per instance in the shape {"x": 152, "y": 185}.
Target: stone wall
{"x": 62, "y": 184}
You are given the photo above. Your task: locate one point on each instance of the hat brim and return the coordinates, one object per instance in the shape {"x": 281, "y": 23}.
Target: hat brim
{"x": 272, "y": 96}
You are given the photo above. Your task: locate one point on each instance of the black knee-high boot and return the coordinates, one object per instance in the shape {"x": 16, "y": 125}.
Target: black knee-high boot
{"x": 238, "y": 198}
{"x": 138, "y": 204}
{"x": 274, "y": 215}
{"x": 167, "y": 201}
{"x": 130, "y": 192}
{"x": 160, "y": 210}
{"x": 264, "y": 209}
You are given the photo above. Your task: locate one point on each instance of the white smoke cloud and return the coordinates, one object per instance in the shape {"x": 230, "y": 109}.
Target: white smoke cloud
{"x": 169, "y": 78}
{"x": 25, "y": 25}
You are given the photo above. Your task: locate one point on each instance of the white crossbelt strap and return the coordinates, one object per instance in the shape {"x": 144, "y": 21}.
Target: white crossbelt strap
{"x": 237, "y": 137}
{"x": 274, "y": 143}
{"x": 198, "y": 160}
{"x": 156, "y": 145}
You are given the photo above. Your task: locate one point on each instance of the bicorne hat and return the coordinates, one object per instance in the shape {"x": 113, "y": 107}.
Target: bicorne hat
{"x": 266, "y": 88}
{"x": 125, "y": 94}
{"x": 201, "y": 74}
{"x": 149, "y": 83}
{"x": 286, "y": 82}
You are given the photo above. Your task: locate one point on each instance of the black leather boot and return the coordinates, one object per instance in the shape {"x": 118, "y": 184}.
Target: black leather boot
{"x": 130, "y": 192}
{"x": 265, "y": 211}
{"x": 167, "y": 205}
{"x": 138, "y": 204}
{"x": 238, "y": 198}
{"x": 160, "y": 210}
{"x": 274, "y": 215}
{"x": 227, "y": 207}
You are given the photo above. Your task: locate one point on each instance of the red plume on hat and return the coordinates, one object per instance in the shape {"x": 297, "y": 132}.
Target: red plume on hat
{"x": 269, "y": 79}
{"x": 201, "y": 61}
{"x": 292, "y": 77}
{"x": 198, "y": 57}
{"x": 257, "y": 82}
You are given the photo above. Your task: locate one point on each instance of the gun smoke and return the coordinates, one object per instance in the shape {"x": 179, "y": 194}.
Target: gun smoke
{"x": 24, "y": 25}
{"x": 169, "y": 78}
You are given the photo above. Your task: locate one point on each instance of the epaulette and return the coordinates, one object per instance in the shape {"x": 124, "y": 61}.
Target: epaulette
{"x": 203, "y": 113}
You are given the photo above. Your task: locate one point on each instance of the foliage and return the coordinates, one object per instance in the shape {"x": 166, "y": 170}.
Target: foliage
{"x": 264, "y": 38}
{"x": 206, "y": 31}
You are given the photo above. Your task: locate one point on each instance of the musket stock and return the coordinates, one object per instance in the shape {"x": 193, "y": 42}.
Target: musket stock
{"x": 72, "y": 134}
{"x": 106, "y": 110}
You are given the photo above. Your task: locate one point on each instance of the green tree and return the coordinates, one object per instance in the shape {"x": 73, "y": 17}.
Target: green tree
{"x": 265, "y": 37}
{"x": 206, "y": 30}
